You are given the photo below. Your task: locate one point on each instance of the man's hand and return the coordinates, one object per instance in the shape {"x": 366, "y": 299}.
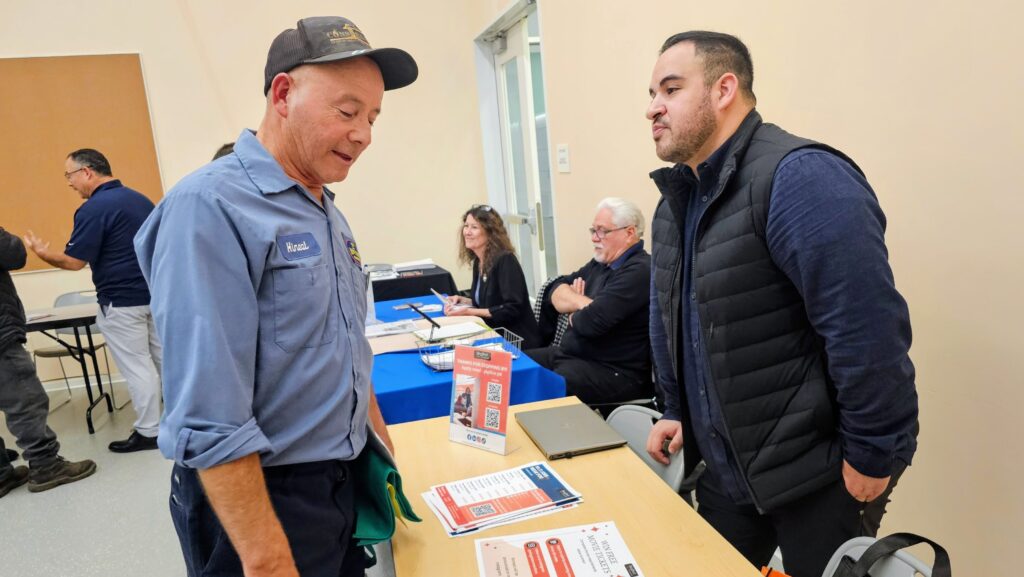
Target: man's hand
{"x": 863, "y": 488}
{"x": 57, "y": 259}
{"x": 570, "y": 298}
{"x": 36, "y": 244}
{"x": 665, "y": 429}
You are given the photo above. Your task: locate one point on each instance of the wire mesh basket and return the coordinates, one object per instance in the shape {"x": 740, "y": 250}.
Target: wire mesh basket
{"x": 440, "y": 356}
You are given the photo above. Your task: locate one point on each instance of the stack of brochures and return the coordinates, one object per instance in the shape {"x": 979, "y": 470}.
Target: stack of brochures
{"x": 381, "y": 271}
{"x": 415, "y": 265}
{"x": 500, "y": 498}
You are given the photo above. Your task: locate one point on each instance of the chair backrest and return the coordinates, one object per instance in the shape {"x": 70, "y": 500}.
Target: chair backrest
{"x": 75, "y": 298}
{"x": 634, "y": 423}
{"x": 562, "y": 319}
{"x": 898, "y": 564}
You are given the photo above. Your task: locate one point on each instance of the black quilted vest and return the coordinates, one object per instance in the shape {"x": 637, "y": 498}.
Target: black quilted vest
{"x": 764, "y": 360}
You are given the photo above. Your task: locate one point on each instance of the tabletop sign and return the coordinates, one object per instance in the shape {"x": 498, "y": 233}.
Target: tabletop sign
{"x": 480, "y": 389}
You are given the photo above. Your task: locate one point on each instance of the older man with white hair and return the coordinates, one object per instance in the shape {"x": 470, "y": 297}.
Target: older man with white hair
{"x": 605, "y": 354}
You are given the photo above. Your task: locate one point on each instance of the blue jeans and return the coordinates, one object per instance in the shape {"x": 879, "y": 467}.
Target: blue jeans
{"x": 26, "y": 406}
{"x": 315, "y": 503}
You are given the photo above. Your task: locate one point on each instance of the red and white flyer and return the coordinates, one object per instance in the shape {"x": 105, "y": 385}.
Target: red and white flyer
{"x": 481, "y": 379}
{"x": 583, "y": 551}
{"x": 498, "y": 498}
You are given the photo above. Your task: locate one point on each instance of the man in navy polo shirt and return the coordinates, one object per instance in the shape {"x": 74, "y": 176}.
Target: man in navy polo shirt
{"x": 105, "y": 226}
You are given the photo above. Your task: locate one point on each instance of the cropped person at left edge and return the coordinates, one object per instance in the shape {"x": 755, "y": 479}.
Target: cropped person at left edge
{"x": 259, "y": 297}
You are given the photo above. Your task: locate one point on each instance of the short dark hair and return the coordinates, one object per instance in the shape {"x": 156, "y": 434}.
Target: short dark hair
{"x": 93, "y": 159}
{"x": 224, "y": 150}
{"x": 720, "y": 53}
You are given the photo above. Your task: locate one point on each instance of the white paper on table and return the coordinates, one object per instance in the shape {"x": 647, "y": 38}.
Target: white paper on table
{"x": 595, "y": 550}
{"x": 415, "y": 264}
{"x": 501, "y": 495}
{"x": 392, "y": 328}
{"x": 436, "y": 506}
{"x": 450, "y": 331}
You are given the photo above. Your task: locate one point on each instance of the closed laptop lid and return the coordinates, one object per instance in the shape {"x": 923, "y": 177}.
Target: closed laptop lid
{"x": 567, "y": 431}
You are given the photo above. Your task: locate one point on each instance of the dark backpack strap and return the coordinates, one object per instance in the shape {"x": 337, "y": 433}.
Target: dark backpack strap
{"x": 886, "y": 546}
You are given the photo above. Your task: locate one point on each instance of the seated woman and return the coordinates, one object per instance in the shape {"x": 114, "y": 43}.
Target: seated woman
{"x": 499, "y": 287}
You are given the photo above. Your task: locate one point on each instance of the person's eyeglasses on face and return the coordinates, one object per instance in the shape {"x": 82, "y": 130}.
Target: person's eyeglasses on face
{"x": 67, "y": 175}
{"x": 600, "y": 233}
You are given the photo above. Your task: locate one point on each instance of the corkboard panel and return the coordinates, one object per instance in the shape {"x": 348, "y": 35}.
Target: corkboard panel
{"x": 50, "y": 106}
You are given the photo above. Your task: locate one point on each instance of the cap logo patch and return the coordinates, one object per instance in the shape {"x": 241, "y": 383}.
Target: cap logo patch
{"x": 348, "y": 33}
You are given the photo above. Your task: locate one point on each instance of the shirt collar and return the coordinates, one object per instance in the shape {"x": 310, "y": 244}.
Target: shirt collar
{"x": 710, "y": 168}
{"x": 264, "y": 170}
{"x": 106, "y": 186}
{"x": 617, "y": 263}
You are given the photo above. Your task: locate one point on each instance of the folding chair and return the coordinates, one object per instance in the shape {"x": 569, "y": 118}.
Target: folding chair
{"x": 60, "y": 353}
{"x": 870, "y": 557}
{"x": 634, "y": 423}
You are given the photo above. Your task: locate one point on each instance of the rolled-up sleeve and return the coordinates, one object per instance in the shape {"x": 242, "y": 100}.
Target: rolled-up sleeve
{"x": 194, "y": 255}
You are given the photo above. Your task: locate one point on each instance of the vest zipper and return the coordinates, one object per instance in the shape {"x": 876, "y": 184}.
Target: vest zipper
{"x": 704, "y": 357}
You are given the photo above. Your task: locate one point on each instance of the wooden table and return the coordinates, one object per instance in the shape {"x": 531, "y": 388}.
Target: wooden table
{"x": 74, "y": 317}
{"x": 665, "y": 535}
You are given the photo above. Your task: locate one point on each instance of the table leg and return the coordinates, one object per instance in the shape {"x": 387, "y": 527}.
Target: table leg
{"x": 88, "y": 385}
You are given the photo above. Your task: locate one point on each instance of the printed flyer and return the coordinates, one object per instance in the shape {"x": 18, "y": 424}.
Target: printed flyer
{"x": 480, "y": 388}
{"x": 499, "y": 498}
{"x": 583, "y": 551}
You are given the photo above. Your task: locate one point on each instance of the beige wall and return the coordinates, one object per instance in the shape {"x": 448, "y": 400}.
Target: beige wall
{"x": 203, "y": 67}
{"x": 926, "y": 102}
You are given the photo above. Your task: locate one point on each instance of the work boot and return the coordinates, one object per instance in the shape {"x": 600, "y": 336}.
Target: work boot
{"x": 17, "y": 478}
{"x": 60, "y": 473}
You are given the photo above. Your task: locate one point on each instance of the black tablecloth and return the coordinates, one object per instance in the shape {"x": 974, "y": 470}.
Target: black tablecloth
{"x": 414, "y": 284}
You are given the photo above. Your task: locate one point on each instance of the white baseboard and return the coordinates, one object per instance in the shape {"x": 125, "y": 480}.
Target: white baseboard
{"x": 57, "y": 385}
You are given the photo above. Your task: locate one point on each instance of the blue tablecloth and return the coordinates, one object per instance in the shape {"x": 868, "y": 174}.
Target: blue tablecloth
{"x": 408, "y": 390}
{"x": 386, "y": 313}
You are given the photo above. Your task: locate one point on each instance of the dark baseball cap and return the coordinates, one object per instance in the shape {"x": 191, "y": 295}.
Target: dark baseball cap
{"x": 329, "y": 39}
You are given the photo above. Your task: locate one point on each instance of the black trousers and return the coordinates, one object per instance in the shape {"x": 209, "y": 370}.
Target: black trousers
{"x": 315, "y": 503}
{"x": 808, "y": 530}
{"x": 591, "y": 381}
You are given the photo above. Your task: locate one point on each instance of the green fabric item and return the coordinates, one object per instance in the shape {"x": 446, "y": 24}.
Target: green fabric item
{"x": 379, "y": 496}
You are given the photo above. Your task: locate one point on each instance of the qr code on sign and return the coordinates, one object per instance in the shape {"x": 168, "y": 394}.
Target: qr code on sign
{"x": 493, "y": 392}
{"x": 492, "y": 419}
{"x": 482, "y": 510}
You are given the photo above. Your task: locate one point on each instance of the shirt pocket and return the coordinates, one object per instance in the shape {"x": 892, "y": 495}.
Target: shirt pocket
{"x": 303, "y": 315}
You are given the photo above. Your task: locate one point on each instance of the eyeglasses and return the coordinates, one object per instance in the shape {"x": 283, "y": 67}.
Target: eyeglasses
{"x": 67, "y": 175}
{"x": 600, "y": 233}
{"x": 483, "y": 207}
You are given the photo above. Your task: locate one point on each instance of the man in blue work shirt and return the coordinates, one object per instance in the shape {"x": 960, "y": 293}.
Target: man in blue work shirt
{"x": 259, "y": 297}
{"x": 779, "y": 337}
{"x": 105, "y": 226}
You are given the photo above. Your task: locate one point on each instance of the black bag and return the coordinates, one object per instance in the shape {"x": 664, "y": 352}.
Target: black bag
{"x": 885, "y": 547}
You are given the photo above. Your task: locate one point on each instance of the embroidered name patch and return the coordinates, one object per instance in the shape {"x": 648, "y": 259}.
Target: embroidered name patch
{"x": 298, "y": 246}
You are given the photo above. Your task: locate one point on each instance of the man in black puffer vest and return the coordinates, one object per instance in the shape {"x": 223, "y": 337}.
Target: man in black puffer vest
{"x": 779, "y": 338}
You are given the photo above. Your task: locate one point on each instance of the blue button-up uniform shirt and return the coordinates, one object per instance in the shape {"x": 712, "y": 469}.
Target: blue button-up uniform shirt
{"x": 259, "y": 298}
